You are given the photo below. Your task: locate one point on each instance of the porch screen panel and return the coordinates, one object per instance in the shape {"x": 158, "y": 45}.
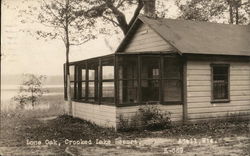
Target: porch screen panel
{"x": 83, "y": 84}
{"x": 83, "y": 91}
{"x": 172, "y": 80}
{"x": 91, "y": 89}
{"x": 150, "y": 79}
{"x": 128, "y": 79}
{"x": 92, "y": 85}
{"x": 72, "y": 81}
{"x": 108, "y": 88}
{"x": 92, "y": 81}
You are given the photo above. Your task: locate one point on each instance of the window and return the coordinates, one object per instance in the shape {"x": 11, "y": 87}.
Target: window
{"x": 172, "y": 80}
{"x": 220, "y": 82}
{"x": 150, "y": 79}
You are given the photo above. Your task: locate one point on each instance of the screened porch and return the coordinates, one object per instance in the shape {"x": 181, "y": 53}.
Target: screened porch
{"x": 124, "y": 79}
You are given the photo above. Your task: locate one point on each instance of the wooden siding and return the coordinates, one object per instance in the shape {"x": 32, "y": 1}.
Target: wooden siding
{"x": 128, "y": 112}
{"x": 101, "y": 115}
{"x": 199, "y": 90}
{"x": 145, "y": 39}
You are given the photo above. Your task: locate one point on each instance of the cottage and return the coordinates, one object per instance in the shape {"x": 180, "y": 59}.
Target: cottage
{"x": 195, "y": 70}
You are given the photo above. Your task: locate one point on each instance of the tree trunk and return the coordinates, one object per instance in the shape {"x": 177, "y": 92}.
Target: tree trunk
{"x": 136, "y": 13}
{"x": 67, "y": 46}
{"x": 149, "y": 8}
{"x": 32, "y": 98}
{"x": 69, "y": 102}
{"x": 231, "y": 13}
{"x": 237, "y": 14}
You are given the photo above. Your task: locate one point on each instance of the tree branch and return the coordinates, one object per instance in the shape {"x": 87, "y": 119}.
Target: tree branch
{"x": 77, "y": 44}
{"x": 120, "y": 3}
{"x": 136, "y": 13}
{"x": 52, "y": 13}
{"x": 111, "y": 20}
{"x": 119, "y": 16}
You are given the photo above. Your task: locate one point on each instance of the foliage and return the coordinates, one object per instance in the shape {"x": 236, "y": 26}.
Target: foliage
{"x": 148, "y": 117}
{"x": 115, "y": 12}
{"x": 30, "y": 91}
{"x": 65, "y": 20}
{"x": 124, "y": 124}
{"x": 60, "y": 18}
{"x": 233, "y": 124}
{"x": 227, "y": 11}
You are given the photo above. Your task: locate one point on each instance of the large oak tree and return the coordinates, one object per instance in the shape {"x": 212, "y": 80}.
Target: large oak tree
{"x": 113, "y": 11}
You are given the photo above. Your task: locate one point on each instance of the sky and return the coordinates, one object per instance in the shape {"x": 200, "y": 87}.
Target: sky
{"x": 23, "y": 53}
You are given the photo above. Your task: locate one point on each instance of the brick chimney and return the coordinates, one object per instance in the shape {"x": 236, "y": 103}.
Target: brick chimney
{"x": 149, "y": 8}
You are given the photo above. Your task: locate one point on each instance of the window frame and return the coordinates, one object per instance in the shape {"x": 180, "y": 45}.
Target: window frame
{"x": 213, "y": 65}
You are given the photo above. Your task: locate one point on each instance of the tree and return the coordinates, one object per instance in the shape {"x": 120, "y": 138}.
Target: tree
{"x": 229, "y": 11}
{"x": 65, "y": 20}
{"x": 235, "y": 11}
{"x": 114, "y": 11}
{"x": 31, "y": 90}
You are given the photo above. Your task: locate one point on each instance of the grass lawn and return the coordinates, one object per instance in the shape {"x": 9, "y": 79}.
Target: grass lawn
{"x": 22, "y": 131}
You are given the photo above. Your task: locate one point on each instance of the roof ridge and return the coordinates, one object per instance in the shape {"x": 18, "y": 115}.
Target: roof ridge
{"x": 193, "y": 21}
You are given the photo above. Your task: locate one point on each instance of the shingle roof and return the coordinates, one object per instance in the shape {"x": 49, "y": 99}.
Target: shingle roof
{"x": 194, "y": 37}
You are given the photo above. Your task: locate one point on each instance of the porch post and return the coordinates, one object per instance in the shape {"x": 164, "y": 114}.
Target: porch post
{"x": 79, "y": 82}
{"x": 184, "y": 90}
{"x": 116, "y": 81}
{"x": 139, "y": 79}
{"x": 100, "y": 81}
{"x": 86, "y": 81}
{"x": 161, "y": 72}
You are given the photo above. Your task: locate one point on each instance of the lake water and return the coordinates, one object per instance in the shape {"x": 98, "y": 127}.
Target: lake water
{"x": 9, "y": 91}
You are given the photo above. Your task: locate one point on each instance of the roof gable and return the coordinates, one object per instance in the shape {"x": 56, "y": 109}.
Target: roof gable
{"x": 146, "y": 39}
{"x": 203, "y": 37}
{"x": 192, "y": 37}
{"x": 142, "y": 38}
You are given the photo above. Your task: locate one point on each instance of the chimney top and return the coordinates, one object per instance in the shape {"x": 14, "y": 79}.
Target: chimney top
{"x": 149, "y": 8}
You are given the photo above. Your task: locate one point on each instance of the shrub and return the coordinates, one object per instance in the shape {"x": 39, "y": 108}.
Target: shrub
{"x": 30, "y": 91}
{"x": 124, "y": 123}
{"x": 148, "y": 117}
{"x": 237, "y": 116}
